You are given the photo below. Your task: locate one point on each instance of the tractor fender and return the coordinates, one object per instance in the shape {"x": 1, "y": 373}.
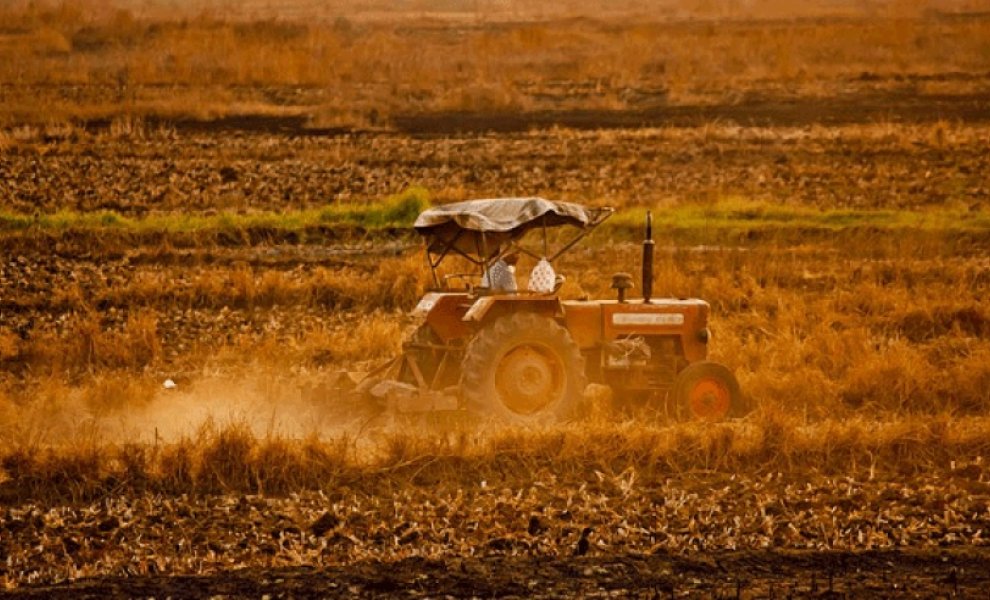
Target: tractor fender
{"x": 495, "y": 306}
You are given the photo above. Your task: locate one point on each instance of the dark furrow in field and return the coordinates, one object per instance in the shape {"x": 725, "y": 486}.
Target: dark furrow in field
{"x": 798, "y": 112}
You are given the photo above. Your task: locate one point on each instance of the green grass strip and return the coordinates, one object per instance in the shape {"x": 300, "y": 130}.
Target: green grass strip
{"x": 753, "y": 216}
{"x": 395, "y": 211}
{"x": 400, "y": 210}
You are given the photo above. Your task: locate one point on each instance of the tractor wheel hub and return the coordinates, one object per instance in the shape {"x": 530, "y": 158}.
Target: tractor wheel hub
{"x": 528, "y": 379}
{"x": 709, "y": 400}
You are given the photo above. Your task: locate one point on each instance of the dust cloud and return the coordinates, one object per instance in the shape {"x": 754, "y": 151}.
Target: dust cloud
{"x": 267, "y": 407}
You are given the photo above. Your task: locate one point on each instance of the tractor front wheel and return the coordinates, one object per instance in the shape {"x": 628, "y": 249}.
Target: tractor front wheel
{"x": 707, "y": 391}
{"x": 523, "y": 368}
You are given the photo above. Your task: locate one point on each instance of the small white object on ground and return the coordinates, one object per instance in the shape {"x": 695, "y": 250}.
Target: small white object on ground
{"x": 169, "y": 384}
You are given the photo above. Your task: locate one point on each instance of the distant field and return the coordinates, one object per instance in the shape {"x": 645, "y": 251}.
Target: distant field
{"x": 412, "y": 71}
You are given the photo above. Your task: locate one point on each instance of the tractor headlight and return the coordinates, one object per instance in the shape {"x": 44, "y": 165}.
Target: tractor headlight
{"x": 704, "y": 335}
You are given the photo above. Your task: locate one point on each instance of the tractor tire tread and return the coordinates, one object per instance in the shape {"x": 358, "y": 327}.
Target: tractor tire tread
{"x": 482, "y": 352}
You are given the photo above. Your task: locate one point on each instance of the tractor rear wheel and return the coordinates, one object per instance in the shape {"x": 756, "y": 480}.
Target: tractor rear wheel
{"x": 523, "y": 368}
{"x": 707, "y": 391}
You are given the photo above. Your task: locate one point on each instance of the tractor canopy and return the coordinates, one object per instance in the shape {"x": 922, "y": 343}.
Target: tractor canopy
{"x": 482, "y": 228}
{"x": 481, "y": 231}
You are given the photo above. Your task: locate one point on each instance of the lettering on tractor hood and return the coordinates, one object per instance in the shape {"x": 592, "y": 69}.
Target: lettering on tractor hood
{"x": 647, "y": 319}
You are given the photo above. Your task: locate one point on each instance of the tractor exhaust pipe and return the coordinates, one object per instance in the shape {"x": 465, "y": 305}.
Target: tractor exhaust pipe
{"x": 648, "y": 260}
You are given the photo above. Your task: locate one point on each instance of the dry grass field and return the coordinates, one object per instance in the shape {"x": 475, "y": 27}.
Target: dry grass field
{"x": 222, "y": 199}
{"x": 655, "y": 62}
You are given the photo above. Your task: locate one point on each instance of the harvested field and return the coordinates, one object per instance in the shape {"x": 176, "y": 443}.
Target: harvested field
{"x": 864, "y": 166}
{"x": 201, "y": 201}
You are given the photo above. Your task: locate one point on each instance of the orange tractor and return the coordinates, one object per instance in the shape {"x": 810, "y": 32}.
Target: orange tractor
{"x": 515, "y": 355}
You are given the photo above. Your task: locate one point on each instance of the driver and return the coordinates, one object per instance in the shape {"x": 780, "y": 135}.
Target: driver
{"x": 501, "y": 275}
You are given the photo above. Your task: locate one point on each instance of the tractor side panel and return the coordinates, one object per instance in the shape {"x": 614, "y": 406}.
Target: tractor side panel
{"x": 584, "y": 322}
{"x": 489, "y": 308}
{"x": 445, "y": 315}
{"x": 686, "y": 319}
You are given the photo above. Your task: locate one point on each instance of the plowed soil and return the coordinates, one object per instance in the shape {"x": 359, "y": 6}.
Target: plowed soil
{"x": 759, "y": 536}
{"x": 759, "y": 574}
{"x": 864, "y": 163}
